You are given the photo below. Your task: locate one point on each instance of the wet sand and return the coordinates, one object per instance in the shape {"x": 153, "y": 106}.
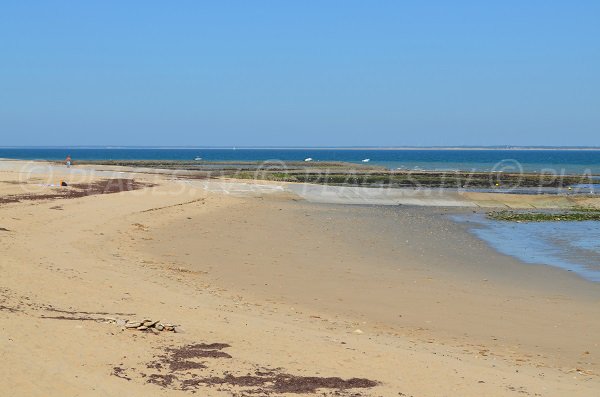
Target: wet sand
{"x": 277, "y": 296}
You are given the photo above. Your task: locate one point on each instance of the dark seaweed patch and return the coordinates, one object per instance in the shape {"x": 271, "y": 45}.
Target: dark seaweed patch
{"x": 161, "y": 380}
{"x": 175, "y": 370}
{"x": 106, "y": 186}
{"x": 180, "y": 359}
{"x": 282, "y": 383}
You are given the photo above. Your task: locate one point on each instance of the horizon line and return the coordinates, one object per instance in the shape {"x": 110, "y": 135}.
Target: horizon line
{"x": 280, "y": 147}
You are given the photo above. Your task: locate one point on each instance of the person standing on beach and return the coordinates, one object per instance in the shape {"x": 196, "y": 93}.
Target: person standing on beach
{"x": 68, "y": 161}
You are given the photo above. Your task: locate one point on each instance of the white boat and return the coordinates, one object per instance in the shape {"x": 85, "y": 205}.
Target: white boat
{"x": 366, "y": 160}
{"x": 308, "y": 159}
{"x": 198, "y": 158}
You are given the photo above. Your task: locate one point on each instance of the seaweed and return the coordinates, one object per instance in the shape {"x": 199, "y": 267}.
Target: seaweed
{"x": 576, "y": 214}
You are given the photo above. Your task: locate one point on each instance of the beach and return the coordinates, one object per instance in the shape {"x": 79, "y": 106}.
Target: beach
{"x": 277, "y": 291}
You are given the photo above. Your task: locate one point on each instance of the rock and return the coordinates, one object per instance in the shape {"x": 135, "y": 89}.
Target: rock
{"x": 169, "y": 327}
{"x": 159, "y": 326}
{"x": 358, "y": 331}
{"x": 132, "y": 325}
{"x": 178, "y": 330}
{"x": 142, "y": 328}
{"x": 121, "y": 323}
{"x": 150, "y": 323}
{"x": 155, "y": 331}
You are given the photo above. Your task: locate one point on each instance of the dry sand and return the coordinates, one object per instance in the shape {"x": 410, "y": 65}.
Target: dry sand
{"x": 277, "y": 296}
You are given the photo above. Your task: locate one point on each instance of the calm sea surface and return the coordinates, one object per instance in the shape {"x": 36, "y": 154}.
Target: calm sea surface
{"x": 559, "y": 161}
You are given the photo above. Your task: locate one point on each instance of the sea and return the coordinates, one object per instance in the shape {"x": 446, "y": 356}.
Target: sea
{"x": 547, "y": 161}
{"x": 572, "y": 246}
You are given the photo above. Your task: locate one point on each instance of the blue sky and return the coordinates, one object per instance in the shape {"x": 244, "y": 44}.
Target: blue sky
{"x": 305, "y": 73}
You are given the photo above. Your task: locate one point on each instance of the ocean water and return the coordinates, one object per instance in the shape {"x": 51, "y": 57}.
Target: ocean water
{"x": 557, "y": 161}
{"x": 572, "y": 246}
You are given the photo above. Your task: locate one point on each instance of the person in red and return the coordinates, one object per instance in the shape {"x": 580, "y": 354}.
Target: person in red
{"x": 68, "y": 160}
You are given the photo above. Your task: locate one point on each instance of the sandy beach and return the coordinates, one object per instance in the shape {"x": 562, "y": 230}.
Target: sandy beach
{"x": 274, "y": 294}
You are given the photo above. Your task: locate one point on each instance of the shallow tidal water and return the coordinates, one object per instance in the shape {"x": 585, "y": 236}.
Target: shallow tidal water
{"x": 572, "y": 246}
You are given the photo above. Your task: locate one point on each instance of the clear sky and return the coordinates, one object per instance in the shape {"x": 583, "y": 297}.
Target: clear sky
{"x": 300, "y": 73}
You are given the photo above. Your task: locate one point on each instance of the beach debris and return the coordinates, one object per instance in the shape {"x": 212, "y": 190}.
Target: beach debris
{"x": 358, "y": 331}
{"x": 146, "y": 324}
